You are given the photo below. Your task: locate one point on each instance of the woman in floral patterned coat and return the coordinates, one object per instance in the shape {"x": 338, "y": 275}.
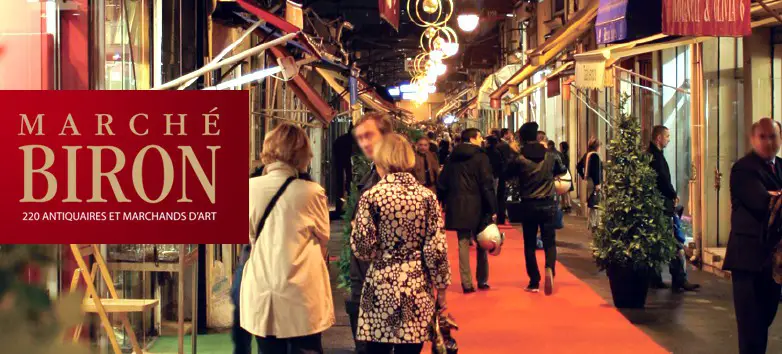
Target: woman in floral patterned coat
{"x": 398, "y": 228}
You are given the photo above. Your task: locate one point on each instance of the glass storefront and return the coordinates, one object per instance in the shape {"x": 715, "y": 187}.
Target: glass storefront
{"x": 127, "y": 44}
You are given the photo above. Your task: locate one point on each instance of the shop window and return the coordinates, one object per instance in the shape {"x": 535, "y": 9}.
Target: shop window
{"x": 127, "y": 51}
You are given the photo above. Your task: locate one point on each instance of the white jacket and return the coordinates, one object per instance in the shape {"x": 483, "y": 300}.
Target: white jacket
{"x": 285, "y": 288}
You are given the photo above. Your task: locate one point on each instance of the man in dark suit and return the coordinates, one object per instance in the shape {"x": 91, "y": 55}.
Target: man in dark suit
{"x": 506, "y": 153}
{"x": 660, "y": 139}
{"x": 466, "y": 186}
{"x": 754, "y": 179}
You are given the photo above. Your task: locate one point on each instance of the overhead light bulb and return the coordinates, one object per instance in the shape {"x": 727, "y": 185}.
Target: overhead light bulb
{"x": 450, "y": 49}
{"x": 436, "y": 55}
{"x": 431, "y": 6}
{"x": 431, "y": 76}
{"x": 440, "y": 68}
{"x": 430, "y": 32}
{"x": 468, "y": 22}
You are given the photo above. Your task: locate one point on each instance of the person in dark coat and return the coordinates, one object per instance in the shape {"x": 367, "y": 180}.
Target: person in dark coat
{"x": 564, "y": 152}
{"x": 343, "y": 148}
{"x": 535, "y": 169}
{"x": 427, "y": 167}
{"x": 590, "y": 168}
{"x": 506, "y": 152}
{"x": 466, "y": 187}
{"x": 660, "y": 139}
{"x": 753, "y": 180}
{"x": 445, "y": 149}
{"x": 369, "y": 130}
{"x": 495, "y": 158}
{"x": 433, "y": 148}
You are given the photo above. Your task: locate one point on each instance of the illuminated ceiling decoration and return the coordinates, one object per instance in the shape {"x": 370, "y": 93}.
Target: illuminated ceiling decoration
{"x": 438, "y": 42}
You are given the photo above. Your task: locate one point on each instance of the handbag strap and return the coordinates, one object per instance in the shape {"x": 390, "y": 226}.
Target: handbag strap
{"x": 269, "y": 207}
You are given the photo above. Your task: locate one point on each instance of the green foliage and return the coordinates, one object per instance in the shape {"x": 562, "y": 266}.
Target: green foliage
{"x": 30, "y": 322}
{"x": 634, "y": 230}
{"x": 361, "y": 167}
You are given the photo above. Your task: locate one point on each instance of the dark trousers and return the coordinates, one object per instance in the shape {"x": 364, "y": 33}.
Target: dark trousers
{"x": 532, "y": 221}
{"x": 756, "y": 299}
{"x": 502, "y": 199}
{"x": 481, "y": 269}
{"x": 352, "y": 308}
{"x": 310, "y": 344}
{"x": 242, "y": 339}
{"x": 388, "y": 348}
{"x": 675, "y": 267}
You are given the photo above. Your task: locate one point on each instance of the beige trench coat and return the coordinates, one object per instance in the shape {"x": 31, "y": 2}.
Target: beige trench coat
{"x": 285, "y": 288}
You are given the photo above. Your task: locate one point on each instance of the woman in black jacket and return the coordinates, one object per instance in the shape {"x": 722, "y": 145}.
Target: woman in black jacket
{"x": 590, "y": 168}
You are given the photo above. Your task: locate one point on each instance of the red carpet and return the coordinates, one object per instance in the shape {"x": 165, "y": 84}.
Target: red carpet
{"x": 506, "y": 319}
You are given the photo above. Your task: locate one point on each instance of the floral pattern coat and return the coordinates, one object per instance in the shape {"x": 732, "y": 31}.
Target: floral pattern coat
{"x": 398, "y": 227}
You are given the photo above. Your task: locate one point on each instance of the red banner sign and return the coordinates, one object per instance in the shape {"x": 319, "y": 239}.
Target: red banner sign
{"x": 389, "y": 11}
{"x": 124, "y": 166}
{"x": 719, "y": 18}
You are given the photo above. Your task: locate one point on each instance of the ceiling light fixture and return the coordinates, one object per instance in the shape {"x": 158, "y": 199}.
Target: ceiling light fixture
{"x": 468, "y": 22}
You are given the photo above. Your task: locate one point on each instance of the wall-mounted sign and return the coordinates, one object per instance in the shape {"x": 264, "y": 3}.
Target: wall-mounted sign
{"x": 294, "y": 14}
{"x": 389, "y": 11}
{"x": 721, "y": 18}
{"x": 553, "y": 88}
{"x": 590, "y": 73}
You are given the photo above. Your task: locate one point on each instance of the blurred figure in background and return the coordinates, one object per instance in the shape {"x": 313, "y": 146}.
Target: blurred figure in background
{"x": 427, "y": 167}
{"x": 409, "y": 255}
{"x": 433, "y": 148}
{"x": 444, "y": 148}
{"x": 564, "y": 151}
{"x": 590, "y": 168}
{"x": 286, "y": 305}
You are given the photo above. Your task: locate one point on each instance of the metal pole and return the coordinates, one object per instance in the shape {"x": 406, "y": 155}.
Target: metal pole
{"x": 234, "y": 59}
{"x": 225, "y": 51}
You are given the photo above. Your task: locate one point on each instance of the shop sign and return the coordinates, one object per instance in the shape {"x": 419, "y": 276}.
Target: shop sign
{"x": 389, "y": 11}
{"x": 718, "y": 18}
{"x": 553, "y": 88}
{"x": 590, "y": 73}
{"x": 112, "y": 167}
{"x": 611, "y": 23}
{"x": 294, "y": 14}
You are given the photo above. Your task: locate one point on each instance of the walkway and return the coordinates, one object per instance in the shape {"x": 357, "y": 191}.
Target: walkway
{"x": 579, "y": 317}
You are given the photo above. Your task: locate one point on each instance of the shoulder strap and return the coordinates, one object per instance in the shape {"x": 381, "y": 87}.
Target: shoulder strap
{"x": 269, "y": 207}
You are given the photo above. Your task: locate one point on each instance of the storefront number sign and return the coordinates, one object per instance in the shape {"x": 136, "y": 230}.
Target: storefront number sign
{"x": 112, "y": 167}
{"x": 723, "y": 18}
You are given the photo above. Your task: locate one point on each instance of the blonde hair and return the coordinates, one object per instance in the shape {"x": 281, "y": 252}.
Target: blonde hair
{"x": 394, "y": 154}
{"x": 289, "y": 144}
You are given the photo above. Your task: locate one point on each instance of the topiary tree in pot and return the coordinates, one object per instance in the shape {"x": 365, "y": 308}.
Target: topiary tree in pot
{"x": 634, "y": 235}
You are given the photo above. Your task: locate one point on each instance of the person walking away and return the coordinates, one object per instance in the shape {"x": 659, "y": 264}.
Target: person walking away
{"x": 427, "y": 167}
{"x": 466, "y": 187}
{"x": 343, "y": 149}
{"x": 564, "y": 152}
{"x": 445, "y": 148}
{"x": 590, "y": 168}
{"x": 661, "y": 136}
{"x": 408, "y": 255}
{"x": 370, "y": 130}
{"x": 506, "y": 153}
{"x": 285, "y": 297}
{"x": 535, "y": 169}
{"x": 754, "y": 179}
{"x": 495, "y": 159}
{"x": 433, "y": 148}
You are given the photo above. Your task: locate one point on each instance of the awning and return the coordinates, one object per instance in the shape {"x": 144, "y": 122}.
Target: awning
{"x": 543, "y": 82}
{"x": 276, "y": 21}
{"x": 494, "y": 81}
{"x": 548, "y": 51}
{"x": 305, "y": 92}
{"x": 453, "y": 102}
{"x": 367, "y": 96}
{"x": 471, "y": 104}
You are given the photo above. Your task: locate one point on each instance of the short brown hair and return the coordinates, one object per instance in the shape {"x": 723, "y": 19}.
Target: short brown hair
{"x": 394, "y": 154}
{"x": 657, "y": 131}
{"x": 289, "y": 144}
{"x": 382, "y": 121}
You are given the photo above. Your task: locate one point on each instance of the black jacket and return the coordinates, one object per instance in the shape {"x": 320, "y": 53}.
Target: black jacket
{"x": 445, "y": 150}
{"x": 595, "y": 168}
{"x": 496, "y": 160}
{"x": 750, "y": 245}
{"x": 660, "y": 165}
{"x": 466, "y": 186}
{"x": 358, "y": 268}
{"x": 535, "y": 169}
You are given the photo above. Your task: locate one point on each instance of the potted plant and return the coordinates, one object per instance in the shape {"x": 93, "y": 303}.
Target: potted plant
{"x": 634, "y": 235}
